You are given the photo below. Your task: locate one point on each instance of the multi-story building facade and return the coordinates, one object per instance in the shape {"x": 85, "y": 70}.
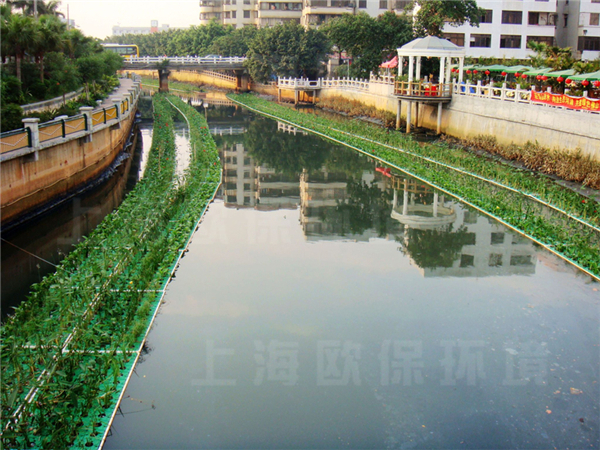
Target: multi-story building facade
{"x": 505, "y": 29}
{"x": 118, "y": 30}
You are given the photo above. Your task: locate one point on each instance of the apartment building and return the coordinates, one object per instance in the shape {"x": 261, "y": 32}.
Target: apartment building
{"x": 504, "y": 31}
{"x": 118, "y": 30}
{"x": 506, "y": 27}
{"x": 262, "y": 13}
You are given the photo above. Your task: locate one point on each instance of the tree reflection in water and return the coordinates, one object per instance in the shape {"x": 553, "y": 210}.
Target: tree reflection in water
{"x": 434, "y": 248}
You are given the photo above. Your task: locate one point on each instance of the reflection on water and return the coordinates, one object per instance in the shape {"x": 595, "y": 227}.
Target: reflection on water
{"x": 327, "y": 302}
{"x": 35, "y": 247}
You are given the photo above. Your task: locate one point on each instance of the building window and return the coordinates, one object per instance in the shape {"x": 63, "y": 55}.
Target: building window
{"x": 512, "y": 17}
{"x": 227, "y": 15}
{"x": 486, "y": 17}
{"x": 246, "y": 2}
{"x": 595, "y": 1}
{"x": 402, "y": 4}
{"x": 246, "y": 14}
{"x": 467, "y": 260}
{"x": 497, "y": 238}
{"x": 566, "y": 17}
{"x": 510, "y": 41}
{"x": 594, "y": 18}
{"x": 541, "y": 18}
{"x": 362, "y": 4}
{"x": 233, "y": 14}
{"x": 495, "y": 260}
{"x": 481, "y": 40}
{"x": 591, "y": 43}
{"x": 548, "y": 40}
{"x": 455, "y": 38}
{"x": 382, "y": 4}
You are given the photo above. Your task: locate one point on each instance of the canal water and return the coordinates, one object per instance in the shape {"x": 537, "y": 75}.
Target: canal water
{"x": 328, "y": 302}
{"x": 33, "y": 249}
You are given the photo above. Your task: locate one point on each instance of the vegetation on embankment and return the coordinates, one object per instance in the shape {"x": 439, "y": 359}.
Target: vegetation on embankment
{"x": 67, "y": 351}
{"x": 567, "y": 223}
{"x": 568, "y": 165}
{"x": 43, "y": 59}
{"x": 356, "y": 108}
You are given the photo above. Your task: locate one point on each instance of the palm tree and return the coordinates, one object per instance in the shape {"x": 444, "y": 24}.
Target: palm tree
{"x": 52, "y": 37}
{"x": 20, "y": 35}
{"x": 30, "y": 7}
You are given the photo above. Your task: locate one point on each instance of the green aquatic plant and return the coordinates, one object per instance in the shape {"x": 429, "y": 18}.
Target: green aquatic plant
{"x": 69, "y": 348}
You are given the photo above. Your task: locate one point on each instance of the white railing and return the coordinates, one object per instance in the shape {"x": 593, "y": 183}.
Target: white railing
{"x": 346, "y": 83}
{"x": 219, "y": 75}
{"x": 382, "y": 79}
{"x": 303, "y": 83}
{"x": 226, "y": 131}
{"x": 505, "y": 93}
{"x": 298, "y": 83}
{"x": 191, "y": 60}
{"x": 488, "y": 91}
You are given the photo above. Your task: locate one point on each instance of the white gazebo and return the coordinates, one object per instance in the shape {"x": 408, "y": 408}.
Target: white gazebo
{"x": 415, "y": 90}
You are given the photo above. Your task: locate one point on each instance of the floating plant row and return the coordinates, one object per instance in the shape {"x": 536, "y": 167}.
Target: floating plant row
{"x": 67, "y": 350}
{"x": 570, "y": 230}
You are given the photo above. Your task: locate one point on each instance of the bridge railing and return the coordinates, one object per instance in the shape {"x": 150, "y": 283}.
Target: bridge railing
{"x": 35, "y": 136}
{"x": 191, "y": 60}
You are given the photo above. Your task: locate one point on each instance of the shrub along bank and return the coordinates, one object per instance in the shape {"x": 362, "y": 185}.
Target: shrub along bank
{"x": 561, "y": 219}
{"x": 67, "y": 351}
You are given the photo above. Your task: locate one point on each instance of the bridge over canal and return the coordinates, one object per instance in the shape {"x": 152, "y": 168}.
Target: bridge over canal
{"x": 165, "y": 64}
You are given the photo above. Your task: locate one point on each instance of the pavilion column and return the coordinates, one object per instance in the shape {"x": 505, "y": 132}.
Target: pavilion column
{"x": 439, "y": 119}
{"x": 408, "y": 116}
{"x": 418, "y": 76}
{"x": 398, "y": 113}
{"x": 448, "y": 73}
{"x": 411, "y": 67}
{"x": 461, "y": 65}
{"x": 442, "y": 70}
{"x": 400, "y": 65}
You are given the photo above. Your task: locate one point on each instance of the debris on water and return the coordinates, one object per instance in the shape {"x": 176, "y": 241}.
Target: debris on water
{"x": 576, "y": 391}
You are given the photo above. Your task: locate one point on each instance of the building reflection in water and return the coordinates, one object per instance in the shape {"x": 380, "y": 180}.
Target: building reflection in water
{"x": 445, "y": 238}
{"x": 358, "y": 201}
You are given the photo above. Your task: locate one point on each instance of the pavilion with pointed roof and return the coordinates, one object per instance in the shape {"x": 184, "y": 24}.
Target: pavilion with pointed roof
{"x": 416, "y": 90}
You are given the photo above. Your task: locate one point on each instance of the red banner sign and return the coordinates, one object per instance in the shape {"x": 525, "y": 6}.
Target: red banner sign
{"x": 589, "y": 104}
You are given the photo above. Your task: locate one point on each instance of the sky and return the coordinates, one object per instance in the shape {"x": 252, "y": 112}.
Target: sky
{"x": 97, "y": 17}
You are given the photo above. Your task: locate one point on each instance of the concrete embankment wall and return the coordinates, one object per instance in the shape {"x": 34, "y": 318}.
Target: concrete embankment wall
{"x": 509, "y": 122}
{"x": 34, "y": 177}
{"x": 28, "y": 184}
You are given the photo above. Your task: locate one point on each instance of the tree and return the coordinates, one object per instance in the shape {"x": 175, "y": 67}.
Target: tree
{"x": 368, "y": 40}
{"x": 20, "y": 35}
{"x": 286, "y": 50}
{"x": 28, "y": 7}
{"x": 432, "y": 15}
{"x": 234, "y": 44}
{"x": 551, "y": 56}
{"x": 52, "y": 38}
